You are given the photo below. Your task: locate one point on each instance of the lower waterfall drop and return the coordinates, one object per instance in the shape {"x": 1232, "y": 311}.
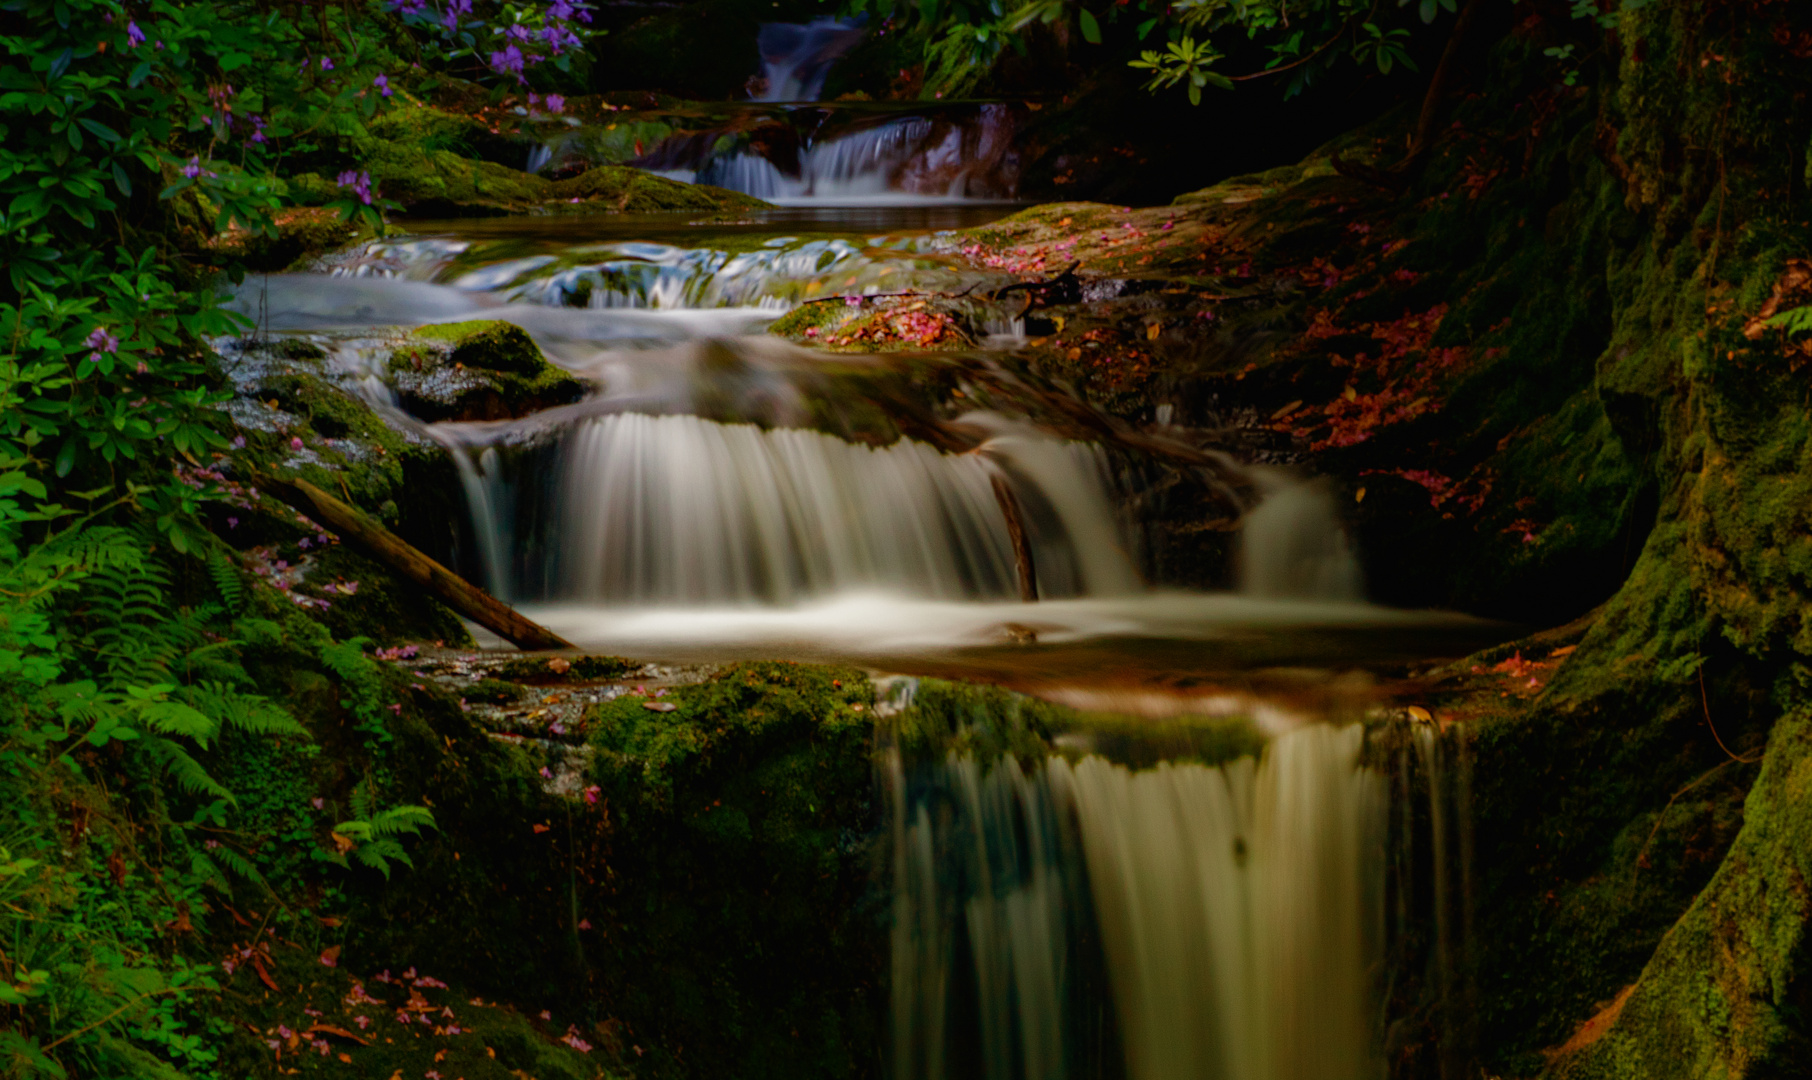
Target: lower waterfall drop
{"x": 1234, "y": 912}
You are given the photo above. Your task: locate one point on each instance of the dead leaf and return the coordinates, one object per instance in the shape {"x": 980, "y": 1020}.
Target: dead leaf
{"x": 559, "y": 666}
{"x": 345, "y": 1057}
{"x": 1562, "y": 651}
{"x": 330, "y": 956}
{"x": 1359, "y": 496}
{"x": 337, "y": 1032}
{"x": 539, "y": 829}
{"x": 343, "y": 843}
{"x": 263, "y": 975}
{"x": 1417, "y": 712}
{"x": 659, "y": 706}
{"x": 1287, "y": 409}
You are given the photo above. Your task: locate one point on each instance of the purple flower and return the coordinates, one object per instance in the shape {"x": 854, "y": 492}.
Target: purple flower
{"x": 456, "y": 8}
{"x": 257, "y": 128}
{"x": 517, "y": 32}
{"x": 591, "y": 794}
{"x": 853, "y": 301}
{"x": 408, "y": 7}
{"x": 100, "y": 341}
{"x": 295, "y": 442}
{"x": 560, "y": 9}
{"x": 326, "y": 64}
{"x": 507, "y": 62}
{"x": 383, "y": 85}
{"x": 134, "y": 36}
{"x": 239, "y": 442}
{"x": 555, "y": 103}
{"x": 359, "y": 182}
{"x": 559, "y": 37}
{"x": 193, "y": 168}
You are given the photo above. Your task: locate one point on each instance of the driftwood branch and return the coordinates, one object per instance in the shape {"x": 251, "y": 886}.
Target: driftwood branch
{"x": 374, "y": 540}
{"x": 1016, "y": 532}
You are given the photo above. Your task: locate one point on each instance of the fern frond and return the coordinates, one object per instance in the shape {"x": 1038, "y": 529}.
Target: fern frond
{"x": 378, "y": 854}
{"x": 187, "y": 773}
{"x": 243, "y": 712}
{"x": 226, "y": 580}
{"x": 402, "y": 821}
{"x": 240, "y": 865}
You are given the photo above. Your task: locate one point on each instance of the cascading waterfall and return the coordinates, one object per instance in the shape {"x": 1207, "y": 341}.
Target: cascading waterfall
{"x": 675, "y": 509}
{"x": 1292, "y": 545}
{"x": 1237, "y": 912}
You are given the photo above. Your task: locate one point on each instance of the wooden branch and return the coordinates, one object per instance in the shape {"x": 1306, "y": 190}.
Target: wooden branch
{"x": 1016, "y": 531}
{"x": 1397, "y": 177}
{"x": 371, "y": 538}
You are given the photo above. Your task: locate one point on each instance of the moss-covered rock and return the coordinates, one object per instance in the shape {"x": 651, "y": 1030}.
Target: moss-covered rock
{"x": 1728, "y": 991}
{"x": 478, "y": 370}
{"x": 621, "y": 189}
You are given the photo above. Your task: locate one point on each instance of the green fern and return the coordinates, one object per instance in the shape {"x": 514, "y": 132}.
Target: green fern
{"x": 175, "y": 762}
{"x": 226, "y": 581}
{"x": 374, "y": 839}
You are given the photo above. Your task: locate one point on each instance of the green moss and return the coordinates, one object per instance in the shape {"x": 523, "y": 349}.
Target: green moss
{"x": 743, "y": 927}
{"x": 1725, "y": 993}
{"x": 824, "y": 318}
{"x": 481, "y": 370}
{"x": 626, "y": 190}
{"x": 539, "y": 670}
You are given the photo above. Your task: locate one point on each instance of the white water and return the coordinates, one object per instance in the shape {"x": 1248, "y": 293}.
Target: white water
{"x": 679, "y": 510}
{"x": 1238, "y": 910}
{"x": 1292, "y": 544}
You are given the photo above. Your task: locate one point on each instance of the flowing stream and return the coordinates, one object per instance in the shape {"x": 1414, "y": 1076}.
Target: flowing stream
{"x": 707, "y": 498}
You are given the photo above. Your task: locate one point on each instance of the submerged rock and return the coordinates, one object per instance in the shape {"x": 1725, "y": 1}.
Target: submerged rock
{"x": 480, "y": 370}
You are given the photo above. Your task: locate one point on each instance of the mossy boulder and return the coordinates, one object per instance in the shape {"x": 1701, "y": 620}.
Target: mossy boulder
{"x": 302, "y": 233}
{"x": 431, "y": 183}
{"x": 745, "y": 926}
{"x": 479, "y": 370}
{"x": 1728, "y": 991}
{"x": 622, "y": 189}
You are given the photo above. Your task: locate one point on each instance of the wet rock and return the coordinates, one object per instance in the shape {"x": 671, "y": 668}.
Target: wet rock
{"x": 481, "y": 370}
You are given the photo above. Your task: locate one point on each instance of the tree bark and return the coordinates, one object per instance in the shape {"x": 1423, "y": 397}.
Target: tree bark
{"x": 370, "y": 537}
{"x": 1016, "y": 531}
{"x": 1397, "y": 176}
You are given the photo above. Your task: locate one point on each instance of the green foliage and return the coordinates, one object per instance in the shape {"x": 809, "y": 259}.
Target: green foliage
{"x": 373, "y": 839}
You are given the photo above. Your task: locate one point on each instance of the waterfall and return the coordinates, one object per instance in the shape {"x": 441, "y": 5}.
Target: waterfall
{"x": 1292, "y": 544}
{"x": 1236, "y": 910}
{"x": 675, "y": 509}
{"x": 796, "y": 57}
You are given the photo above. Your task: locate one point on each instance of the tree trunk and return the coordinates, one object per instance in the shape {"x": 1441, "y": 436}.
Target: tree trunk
{"x": 371, "y": 538}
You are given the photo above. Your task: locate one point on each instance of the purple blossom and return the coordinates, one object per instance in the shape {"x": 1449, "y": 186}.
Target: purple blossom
{"x": 555, "y": 103}
{"x": 359, "y": 182}
{"x": 559, "y": 37}
{"x": 507, "y": 62}
{"x": 134, "y": 36}
{"x": 295, "y": 442}
{"x": 382, "y": 82}
{"x": 560, "y": 9}
{"x": 193, "y": 168}
{"x": 326, "y": 64}
{"x": 517, "y": 32}
{"x": 100, "y": 341}
{"x": 456, "y": 8}
{"x": 408, "y": 7}
{"x": 257, "y": 128}
{"x": 852, "y": 301}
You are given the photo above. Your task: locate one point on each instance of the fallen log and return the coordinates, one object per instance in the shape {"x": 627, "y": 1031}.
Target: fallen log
{"x": 370, "y": 537}
{"x": 1016, "y": 532}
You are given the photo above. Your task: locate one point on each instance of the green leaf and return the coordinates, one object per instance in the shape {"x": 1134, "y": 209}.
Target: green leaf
{"x": 1091, "y": 30}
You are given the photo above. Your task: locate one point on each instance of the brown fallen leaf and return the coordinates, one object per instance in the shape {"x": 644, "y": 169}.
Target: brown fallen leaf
{"x": 559, "y": 666}
{"x": 539, "y": 829}
{"x": 1562, "y": 651}
{"x": 337, "y": 1032}
{"x": 1417, "y": 712}
{"x": 659, "y": 706}
{"x": 263, "y": 975}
